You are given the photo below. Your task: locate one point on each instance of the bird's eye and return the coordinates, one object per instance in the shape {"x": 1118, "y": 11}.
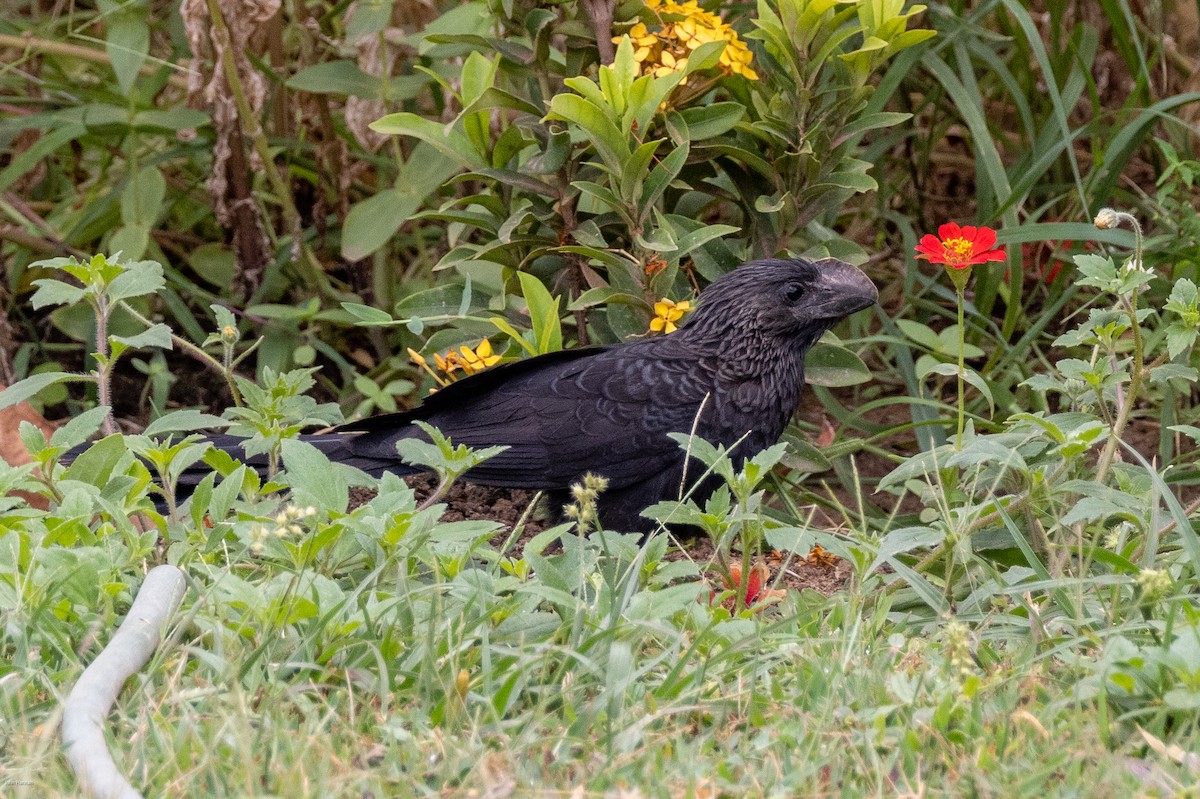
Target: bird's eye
{"x": 793, "y": 291}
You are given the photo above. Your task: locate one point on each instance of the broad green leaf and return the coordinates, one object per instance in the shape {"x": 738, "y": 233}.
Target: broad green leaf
{"x": 142, "y": 199}
{"x": 664, "y": 172}
{"x": 79, "y": 429}
{"x": 158, "y": 335}
{"x": 30, "y": 386}
{"x": 633, "y": 174}
{"x": 604, "y": 135}
{"x": 368, "y": 315}
{"x": 449, "y": 140}
{"x": 52, "y": 291}
{"x": 372, "y": 222}
{"x": 710, "y": 121}
{"x": 313, "y": 479}
{"x": 130, "y": 240}
{"x": 369, "y": 19}
{"x": 969, "y": 375}
{"x": 603, "y": 295}
{"x": 834, "y": 366}
{"x": 188, "y": 420}
{"x": 172, "y": 119}
{"x": 95, "y": 466}
{"x": 905, "y": 539}
{"x": 543, "y": 314}
{"x": 138, "y": 279}
{"x": 337, "y": 77}
{"x": 126, "y": 39}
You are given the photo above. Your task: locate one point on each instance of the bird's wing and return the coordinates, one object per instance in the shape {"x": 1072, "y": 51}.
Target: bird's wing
{"x": 605, "y": 411}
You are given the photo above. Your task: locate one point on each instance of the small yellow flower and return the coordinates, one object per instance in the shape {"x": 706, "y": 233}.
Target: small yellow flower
{"x": 478, "y": 359}
{"x": 449, "y": 365}
{"x": 667, "y": 313}
{"x": 681, "y": 28}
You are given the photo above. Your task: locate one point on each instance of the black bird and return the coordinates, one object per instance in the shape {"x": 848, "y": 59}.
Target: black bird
{"x": 733, "y": 373}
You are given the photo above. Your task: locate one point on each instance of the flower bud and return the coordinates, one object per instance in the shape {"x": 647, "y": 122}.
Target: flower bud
{"x": 1107, "y": 218}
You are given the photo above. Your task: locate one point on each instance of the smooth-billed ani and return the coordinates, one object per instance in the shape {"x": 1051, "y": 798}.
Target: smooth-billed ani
{"x": 732, "y": 373}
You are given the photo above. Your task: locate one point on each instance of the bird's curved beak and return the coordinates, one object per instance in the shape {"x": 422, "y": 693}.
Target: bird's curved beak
{"x": 844, "y": 289}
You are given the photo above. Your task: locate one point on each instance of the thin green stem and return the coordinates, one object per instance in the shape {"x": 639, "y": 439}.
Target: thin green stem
{"x": 958, "y": 442}
{"x": 1137, "y": 378}
{"x": 225, "y": 369}
{"x": 104, "y": 363}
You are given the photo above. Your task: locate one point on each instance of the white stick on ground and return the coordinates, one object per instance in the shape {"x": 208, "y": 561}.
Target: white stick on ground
{"x": 93, "y": 696}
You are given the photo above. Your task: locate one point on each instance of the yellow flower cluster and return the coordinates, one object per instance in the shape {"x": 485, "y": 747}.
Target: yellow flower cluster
{"x": 667, "y": 313}
{"x": 468, "y": 360}
{"x": 682, "y": 28}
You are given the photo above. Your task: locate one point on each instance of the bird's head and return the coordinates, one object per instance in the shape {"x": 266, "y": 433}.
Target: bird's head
{"x": 788, "y": 298}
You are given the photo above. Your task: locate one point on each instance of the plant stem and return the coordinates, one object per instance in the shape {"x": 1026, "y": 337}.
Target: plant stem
{"x": 104, "y": 363}
{"x": 961, "y": 346}
{"x": 225, "y": 370}
{"x": 30, "y": 43}
{"x": 1137, "y": 376}
{"x": 252, "y": 129}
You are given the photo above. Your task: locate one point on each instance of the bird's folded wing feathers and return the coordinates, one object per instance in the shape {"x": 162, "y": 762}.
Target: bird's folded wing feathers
{"x": 563, "y": 417}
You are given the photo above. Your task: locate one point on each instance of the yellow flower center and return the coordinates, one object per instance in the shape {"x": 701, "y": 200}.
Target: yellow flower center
{"x": 957, "y": 250}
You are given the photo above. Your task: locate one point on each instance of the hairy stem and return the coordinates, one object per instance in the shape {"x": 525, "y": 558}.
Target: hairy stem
{"x": 1138, "y": 372}
{"x": 104, "y": 364}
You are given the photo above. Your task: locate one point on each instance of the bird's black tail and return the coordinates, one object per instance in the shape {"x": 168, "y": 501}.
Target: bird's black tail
{"x": 337, "y": 447}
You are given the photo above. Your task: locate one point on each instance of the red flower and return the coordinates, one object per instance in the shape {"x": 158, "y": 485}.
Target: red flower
{"x": 756, "y": 594}
{"x": 960, "y": 247}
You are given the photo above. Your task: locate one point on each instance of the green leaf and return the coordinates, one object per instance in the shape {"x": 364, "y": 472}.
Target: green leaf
{"x": 608, "y": 140}
{"x": 633, "y": 174}
{"x": 701, "y": 236}
{"x": 603, "y": 295}
{"x": 158, "y": 335}
{"x": 368, "y": 315}
{"x": 188, "y": 420}
{"x": 52, "y": 291}
{"x": 137, "y": 279}
{"x": 30, "y": 386}
{"x": 922, "y": 334}
{"x": 449, "y": 140}
{"x": 834, "y": 366}
{"x": 130, "y": 240}
{"x": 710, "y": 121}
{"x": 126, "y": 40}
{"x": 543, "y": 314}
{"x": 142, "y": 199}
{"x": 95, "y": 466}
{"x": 905, "y": 539}
{"x": 666, "y": 171}
{"x": 337, "y": 77}
{"x": 171, "y": 119}
{"x": 313, "y": 479}
{"x": 79, "y": 429}
{"x": 969, "y": 375}
{"x": 1173, "y": 371}
{"x": 478, "y": 75}
{"x": 372, "y": 222}
{"x": 602, "y": 194}
{"x": 493, "y": 97}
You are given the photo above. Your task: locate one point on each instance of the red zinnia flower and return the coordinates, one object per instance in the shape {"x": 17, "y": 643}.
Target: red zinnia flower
{"x": 960, "y": 247}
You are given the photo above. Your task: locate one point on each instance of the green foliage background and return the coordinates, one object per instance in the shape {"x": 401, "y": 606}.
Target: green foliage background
{"x": 301, "y": 194}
